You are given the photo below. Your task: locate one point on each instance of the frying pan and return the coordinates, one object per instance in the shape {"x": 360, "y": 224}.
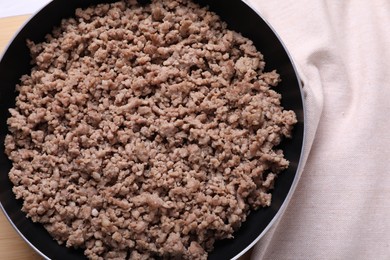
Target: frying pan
{"x": 239, "y": 17}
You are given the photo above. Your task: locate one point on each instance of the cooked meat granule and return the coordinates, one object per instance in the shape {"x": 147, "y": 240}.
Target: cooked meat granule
{"x": 145, "y": 131}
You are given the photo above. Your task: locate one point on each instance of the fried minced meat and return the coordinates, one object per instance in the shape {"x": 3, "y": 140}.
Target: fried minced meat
{"x": 145, "y": 131}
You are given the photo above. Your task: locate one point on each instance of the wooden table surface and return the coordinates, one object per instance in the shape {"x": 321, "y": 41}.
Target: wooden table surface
{"x": 12, "y": 246}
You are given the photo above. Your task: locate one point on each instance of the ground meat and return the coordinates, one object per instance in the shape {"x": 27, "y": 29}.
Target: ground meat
{"x": 145, "y": 131}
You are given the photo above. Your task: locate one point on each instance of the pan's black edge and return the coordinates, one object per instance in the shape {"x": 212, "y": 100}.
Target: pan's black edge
{"x": 253, "y": 26}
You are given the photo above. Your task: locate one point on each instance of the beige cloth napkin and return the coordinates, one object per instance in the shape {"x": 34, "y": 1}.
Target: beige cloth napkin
{"x": 341, "y": 207}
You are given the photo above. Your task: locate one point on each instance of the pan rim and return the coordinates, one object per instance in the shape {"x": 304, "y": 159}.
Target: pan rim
{"x": 300, "y": 164}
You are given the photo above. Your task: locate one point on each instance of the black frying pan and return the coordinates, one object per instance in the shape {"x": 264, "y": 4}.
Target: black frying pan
{"x": 16, "y": 62}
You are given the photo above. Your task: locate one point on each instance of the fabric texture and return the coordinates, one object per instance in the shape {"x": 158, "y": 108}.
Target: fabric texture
{"x": 341, "y": 207}
{"x": 11, "y": 8}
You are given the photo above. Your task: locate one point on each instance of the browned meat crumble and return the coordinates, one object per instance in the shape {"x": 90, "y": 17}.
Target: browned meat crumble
{"x": 145, "y": 131}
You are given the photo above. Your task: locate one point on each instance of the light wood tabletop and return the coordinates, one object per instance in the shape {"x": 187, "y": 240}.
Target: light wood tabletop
{"x": 12, "y": 246}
